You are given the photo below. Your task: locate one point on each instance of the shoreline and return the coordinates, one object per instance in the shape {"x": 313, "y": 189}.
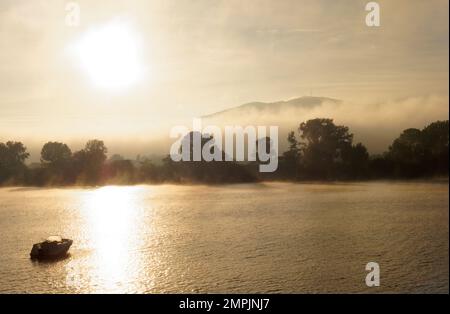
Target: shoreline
{"x": 438, "y": 180}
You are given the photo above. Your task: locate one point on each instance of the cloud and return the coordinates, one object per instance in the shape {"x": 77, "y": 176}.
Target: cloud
{"x": 210, "y": 54}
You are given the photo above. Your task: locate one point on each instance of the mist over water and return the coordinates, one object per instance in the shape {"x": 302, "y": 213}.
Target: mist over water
{"x": 374, "y": 123}
{"x": 271, "y": 237}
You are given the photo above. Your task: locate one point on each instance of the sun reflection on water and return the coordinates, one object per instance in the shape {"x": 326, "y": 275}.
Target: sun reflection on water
{"x": 112, "y": 229}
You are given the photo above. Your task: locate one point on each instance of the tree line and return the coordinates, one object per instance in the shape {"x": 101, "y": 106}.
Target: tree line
{"x": 318, "y": 150}
{"x": 325, "y": 151}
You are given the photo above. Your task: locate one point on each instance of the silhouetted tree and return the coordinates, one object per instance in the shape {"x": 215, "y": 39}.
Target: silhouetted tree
{"x": 421, "y": 152}
{"x": 435, "y": 138}
{"x": 355, "y": 162}
{"x": 324, "y": 151}
{"x": 12, "y": 161}
{"x": 57, "y": 161}
{"x": 290, "y": 160}
{"x": 324, "y": 143}
{"x": 408, "y": 153}
{"x": 90, "y": 160}
{"x": 380, "y": 166}
{"x": 55, "y": 154}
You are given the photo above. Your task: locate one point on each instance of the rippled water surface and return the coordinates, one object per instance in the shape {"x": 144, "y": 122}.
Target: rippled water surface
{"x": 274, "y": 237}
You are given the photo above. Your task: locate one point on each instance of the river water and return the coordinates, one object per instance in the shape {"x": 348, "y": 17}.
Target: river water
{"x": 271, "y": 237}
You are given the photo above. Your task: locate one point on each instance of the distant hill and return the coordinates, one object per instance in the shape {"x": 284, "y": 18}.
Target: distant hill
{"x": 285, "y": 114}
{"x": 305, "y": 103}
{"x": 375, "y": 124}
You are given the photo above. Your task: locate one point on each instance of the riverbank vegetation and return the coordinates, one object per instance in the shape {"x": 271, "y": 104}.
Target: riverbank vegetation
{"x": 318, "y": 150}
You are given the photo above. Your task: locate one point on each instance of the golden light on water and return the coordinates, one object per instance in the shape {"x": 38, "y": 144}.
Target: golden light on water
{"x": 190, "y": 239}
{"x": 112, "y": 222}
{"x": 112, "y": 216}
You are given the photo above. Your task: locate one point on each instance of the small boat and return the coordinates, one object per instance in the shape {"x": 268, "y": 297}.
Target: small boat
{"x": 52, "y": 248}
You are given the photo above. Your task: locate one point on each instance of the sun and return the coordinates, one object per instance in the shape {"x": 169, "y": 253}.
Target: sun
{"x": 110, "y": 55}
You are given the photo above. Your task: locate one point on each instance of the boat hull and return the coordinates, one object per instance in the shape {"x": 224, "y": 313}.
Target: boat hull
{"x": 45, "y": 250}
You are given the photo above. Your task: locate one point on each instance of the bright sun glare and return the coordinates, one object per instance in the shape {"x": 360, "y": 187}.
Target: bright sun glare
{"x": 110, "y": 56}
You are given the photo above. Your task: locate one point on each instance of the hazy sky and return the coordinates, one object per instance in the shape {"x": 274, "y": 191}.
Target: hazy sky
{"x": 202, "y": 56}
